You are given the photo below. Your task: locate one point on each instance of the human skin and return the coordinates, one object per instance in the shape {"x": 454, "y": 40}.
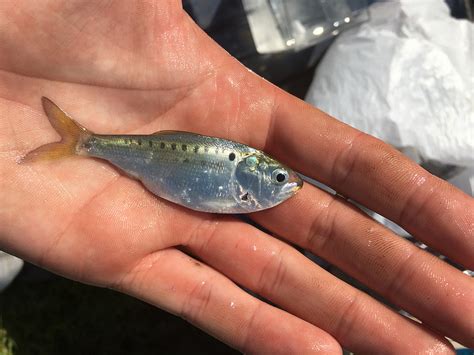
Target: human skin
{"x": 145, "y": 66}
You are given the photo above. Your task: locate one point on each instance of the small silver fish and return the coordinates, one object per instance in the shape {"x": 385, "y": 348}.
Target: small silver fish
{"x": 199, "y": 172}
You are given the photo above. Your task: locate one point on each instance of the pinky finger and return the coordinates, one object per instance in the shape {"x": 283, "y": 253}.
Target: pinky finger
{"x": 179, "y": 284}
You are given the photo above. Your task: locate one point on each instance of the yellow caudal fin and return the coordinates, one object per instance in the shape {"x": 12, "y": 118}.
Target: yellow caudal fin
{"x": 70, "y": 131}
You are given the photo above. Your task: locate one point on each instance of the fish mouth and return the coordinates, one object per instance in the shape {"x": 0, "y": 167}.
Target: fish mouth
{"x": 299, "y": 183}
{"x": 296, "y": 182}
{"x": 290, "y": 189}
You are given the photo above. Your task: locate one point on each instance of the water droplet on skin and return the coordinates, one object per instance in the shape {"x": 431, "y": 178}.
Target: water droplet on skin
{"x": 418, "y": 180}
{"x": 232, "y": 82}
{"x": 317, "y": 347}
{"x": 232, "y": 304}
{"x": 254, "y": 247}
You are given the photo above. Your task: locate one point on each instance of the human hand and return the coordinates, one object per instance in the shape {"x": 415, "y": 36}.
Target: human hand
{"x": 136, "y": 66}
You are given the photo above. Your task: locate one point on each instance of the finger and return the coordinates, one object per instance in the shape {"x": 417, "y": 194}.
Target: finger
{"x": 183, "y": 286}
{"x": 288, "y": 279}
{"x": 433, "y": 291}
{"x": 374, "y": 174}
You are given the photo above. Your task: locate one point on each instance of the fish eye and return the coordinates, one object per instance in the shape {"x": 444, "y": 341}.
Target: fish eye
{"x": 279, "y": 176}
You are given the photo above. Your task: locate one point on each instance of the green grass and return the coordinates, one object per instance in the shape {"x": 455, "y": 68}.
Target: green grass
{"x": 59, "y": 316}
{"x": 6, "y": 343}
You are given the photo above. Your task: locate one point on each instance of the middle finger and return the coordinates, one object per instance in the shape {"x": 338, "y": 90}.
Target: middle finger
{"x": 284, "y": 276}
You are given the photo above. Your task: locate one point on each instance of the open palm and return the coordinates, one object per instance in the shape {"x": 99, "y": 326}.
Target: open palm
{"x": 143, "y": 66}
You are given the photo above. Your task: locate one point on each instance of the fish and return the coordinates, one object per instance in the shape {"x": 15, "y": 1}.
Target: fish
{"x": 203, "y": 173}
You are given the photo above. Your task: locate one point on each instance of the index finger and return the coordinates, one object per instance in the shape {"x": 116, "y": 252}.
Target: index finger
{"x": 374, "y": 174}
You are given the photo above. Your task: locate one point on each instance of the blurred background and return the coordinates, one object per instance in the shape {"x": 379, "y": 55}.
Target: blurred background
{"x": 400, "y": 70}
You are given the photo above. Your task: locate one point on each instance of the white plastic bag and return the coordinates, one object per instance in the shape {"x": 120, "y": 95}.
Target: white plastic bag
{"x": 10, "y": 266}
{"x": 405, "y": 76}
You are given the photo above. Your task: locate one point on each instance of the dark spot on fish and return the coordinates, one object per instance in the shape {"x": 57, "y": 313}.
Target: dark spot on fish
{"x": 203, "y": 163}
{"x": 245, "y": 196}
{"x": 196, "y": 149}
{"x": 231, "y": 156}
{"x": 186, "y": 160}
{"x": 139, "y": 141}
{"x": 162, "y": 145}
{"x": 217, "y": 151}
{"x": 184, "y": 147}
{"x": 150, "y": 143}
{"x": 87, "y": 145}
{"x": 173, "y": 146}
{"x": 206, "y": 149}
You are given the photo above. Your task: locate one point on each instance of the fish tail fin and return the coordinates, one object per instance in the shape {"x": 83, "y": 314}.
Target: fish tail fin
{"x": 72, "y": 134}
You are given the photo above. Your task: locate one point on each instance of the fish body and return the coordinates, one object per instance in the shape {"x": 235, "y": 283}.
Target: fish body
{"x": 203, "y": 173}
